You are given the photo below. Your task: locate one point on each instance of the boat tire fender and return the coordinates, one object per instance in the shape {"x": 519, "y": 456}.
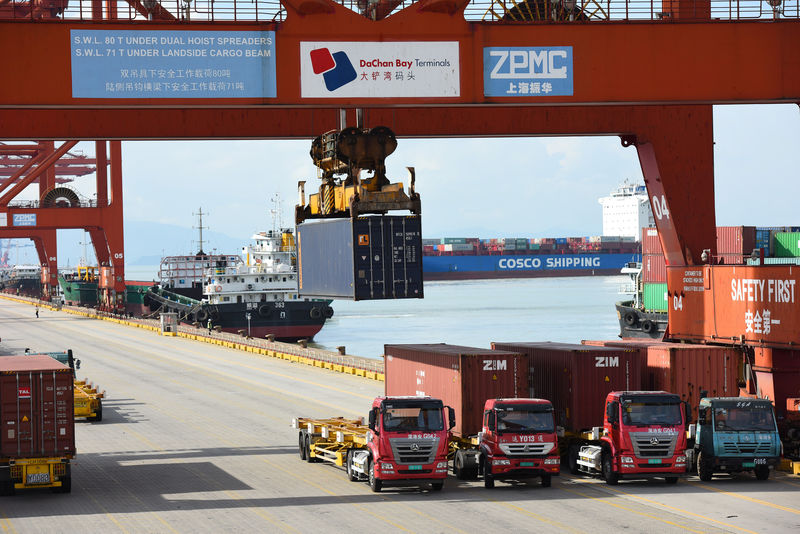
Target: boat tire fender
{"x": 315, "y": 313}
{"x": 328, "y": 312}
{"x": 630, "y": 318}
{"x": 202, "y": 315}
{"x": 648, "y": 327}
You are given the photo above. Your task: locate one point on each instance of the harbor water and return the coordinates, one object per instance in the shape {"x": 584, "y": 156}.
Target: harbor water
{"x": 471, "y": 312}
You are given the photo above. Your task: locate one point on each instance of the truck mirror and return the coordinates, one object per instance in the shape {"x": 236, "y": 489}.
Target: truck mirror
{"x": 451, "y": 417}
{"x": 560, "y": 431}
{"x": 688, "y": 412}
{"x": 701, "y": 416}
{"x": 77, "y": 364}
{"x": 373, "y": 420}
{"x": 611, "y": 412}
{"x": 692, "y": 432}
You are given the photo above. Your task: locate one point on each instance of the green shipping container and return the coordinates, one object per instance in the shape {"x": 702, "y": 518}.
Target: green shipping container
{"x": 655, "y": 297}
{"x": 454, "y": 240}
{"x": 787, "y": 244}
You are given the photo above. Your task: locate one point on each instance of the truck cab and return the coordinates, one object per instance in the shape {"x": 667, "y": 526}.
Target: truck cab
{"x": 643, "y": 436}
{"x": 518, "y": 441}
{"x": 407, "y": 443}
{"x": 736, "y": 434}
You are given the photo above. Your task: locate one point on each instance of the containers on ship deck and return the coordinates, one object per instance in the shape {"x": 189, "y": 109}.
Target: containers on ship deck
{"x": 686, "y": 369}
{"x": 366, "y": 258}
{"x": 36, "y": 407}
{"x": 462, "y": 377}
{"x": 577, "y": 378}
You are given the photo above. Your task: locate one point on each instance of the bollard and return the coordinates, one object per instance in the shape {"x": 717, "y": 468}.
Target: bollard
{"x": 270, "y": 337}
{"x": 303, "y": 343}
{"x": 341, "y": 350}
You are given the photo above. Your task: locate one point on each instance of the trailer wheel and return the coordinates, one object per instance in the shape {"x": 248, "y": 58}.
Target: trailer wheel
{"x": 301, "y": 441}
{"x": 547, "y": 481}
{"x": 458, "y": 465}
{"x": 352, "y": 476}
{"x": 704, "y": 468}
{"x": 762, "y": 472}
{"x": 66, "y": 485}
{"x": 437, "y": 486}
{"x": 375, "y": 483}
{"x": 572, "y": 459}
{"x": 609, "y": 475}
{"x": 98, "y": 414}
{"x": 310, "y": 459}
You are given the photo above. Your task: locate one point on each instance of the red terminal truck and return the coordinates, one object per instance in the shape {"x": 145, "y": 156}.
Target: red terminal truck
{"x": 498, "y": 435}
{"x": 405, "y": 444}
{"x": 643, "y": 433}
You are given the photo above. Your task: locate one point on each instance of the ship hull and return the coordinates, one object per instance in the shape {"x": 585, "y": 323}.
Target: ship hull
{"x": 522, "y": 266}
{"x": 78, "y": 293}
{"x": 639, "y": 324}
{"x": 26, "y": 287}
{"x": 286, "y": 320}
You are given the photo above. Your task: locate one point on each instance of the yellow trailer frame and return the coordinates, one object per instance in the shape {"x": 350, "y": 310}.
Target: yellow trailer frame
{"x": 88, "y": 401}
{"x": 329, "y": 439}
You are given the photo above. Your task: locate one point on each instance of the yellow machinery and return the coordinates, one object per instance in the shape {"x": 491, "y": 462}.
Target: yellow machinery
{"x": 88, "y": 400}
{"x": 340, "y": 156}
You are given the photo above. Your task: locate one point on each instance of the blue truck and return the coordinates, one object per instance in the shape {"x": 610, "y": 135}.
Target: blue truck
{"x": 736, "y": 434}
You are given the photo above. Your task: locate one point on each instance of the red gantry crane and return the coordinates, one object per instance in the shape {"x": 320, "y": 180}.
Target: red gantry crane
{"x": 648, "y": 72}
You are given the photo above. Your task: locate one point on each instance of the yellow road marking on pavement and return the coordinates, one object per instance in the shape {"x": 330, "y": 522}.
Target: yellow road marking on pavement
{"x": 534, "y": 515}
{"x": 6, "y": 524}
{"x": 746, "y": 498}
{"x": 106, "y": 512}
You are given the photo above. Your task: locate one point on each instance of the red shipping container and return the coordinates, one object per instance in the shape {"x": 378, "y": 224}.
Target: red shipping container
{"x": 36, "y": 407}
{"x": 736, "y": 239}
{"x": 462, "y": 377}
{"x": 650, "y": 242}
{"x": 686, "y": 369}
{"x": 731, "y": 259}
{"x": 654, "y": 268}
{"x": 577, "y": 378}
{"x": 777, "y": 375}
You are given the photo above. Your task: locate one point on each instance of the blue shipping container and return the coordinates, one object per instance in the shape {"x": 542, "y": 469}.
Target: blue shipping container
{"x": 368, "y": 258}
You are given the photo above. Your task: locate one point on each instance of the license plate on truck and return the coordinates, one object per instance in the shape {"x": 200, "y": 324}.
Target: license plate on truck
{"x": 748, "y": 464}
{"x": 415, "y": 468}
{"x": 654, "y": 461}
{"x": 526, "y": 464}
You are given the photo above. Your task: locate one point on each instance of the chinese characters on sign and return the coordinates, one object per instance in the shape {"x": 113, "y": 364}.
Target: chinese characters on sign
{"x": 172, "y": 64}
{"x": 379, "y": 69}
{"x": 527, "y": 71}
{"x": 775, "y": 291}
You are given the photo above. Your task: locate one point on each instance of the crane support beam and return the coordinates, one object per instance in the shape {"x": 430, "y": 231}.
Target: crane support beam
{"x": 644, "y": 62}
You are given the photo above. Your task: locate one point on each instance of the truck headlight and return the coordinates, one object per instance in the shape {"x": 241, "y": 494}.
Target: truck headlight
{"x": 441, "y": 465}
{"x": 552, "y": 461}
{"x": 680, "y": 459}
{"x": 501, "y": 462}
{"x": 626, "y": 460}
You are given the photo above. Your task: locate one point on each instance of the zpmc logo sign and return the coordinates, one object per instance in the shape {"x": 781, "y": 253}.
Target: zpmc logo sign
{"x": 336, "y": 68}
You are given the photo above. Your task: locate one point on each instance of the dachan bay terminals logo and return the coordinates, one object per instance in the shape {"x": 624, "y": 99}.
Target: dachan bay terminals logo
{"x": 336, "y": 68}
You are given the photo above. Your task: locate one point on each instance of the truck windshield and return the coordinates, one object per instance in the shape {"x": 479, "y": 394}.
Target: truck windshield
{"x": 649, "y": 414}
{"x": 745, "y": 418}
{"x": 521, "y": 418}
{"x": 412, "y": 419}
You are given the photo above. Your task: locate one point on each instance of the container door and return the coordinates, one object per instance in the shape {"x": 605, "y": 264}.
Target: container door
{"x": 17, "y": 414}
{"x": 405, "y": 240}
{"x": 370, "y": 258}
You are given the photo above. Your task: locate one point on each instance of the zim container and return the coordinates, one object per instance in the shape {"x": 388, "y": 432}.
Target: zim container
{"x": 687, "y": 369}
{"x": 367, "y": 258}
{"x": 462, "y": 377}
{"x": 36, "y": 407}
{"x": 577, "y": 378}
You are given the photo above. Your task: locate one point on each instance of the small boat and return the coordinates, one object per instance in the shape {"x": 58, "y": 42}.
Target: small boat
{"x": 634, "y": 320}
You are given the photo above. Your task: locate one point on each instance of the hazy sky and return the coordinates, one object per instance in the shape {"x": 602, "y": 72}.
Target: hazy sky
{"x": 512, "y": 187}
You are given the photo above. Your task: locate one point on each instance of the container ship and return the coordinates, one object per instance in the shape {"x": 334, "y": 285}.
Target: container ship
{"x": 472, "y": 258}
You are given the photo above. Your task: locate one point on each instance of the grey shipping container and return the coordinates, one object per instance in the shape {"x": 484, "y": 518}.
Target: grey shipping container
{"x": 367, "y": 258}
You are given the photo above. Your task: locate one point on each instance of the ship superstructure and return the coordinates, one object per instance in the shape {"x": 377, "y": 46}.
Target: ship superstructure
{"x": 626, "y": 211}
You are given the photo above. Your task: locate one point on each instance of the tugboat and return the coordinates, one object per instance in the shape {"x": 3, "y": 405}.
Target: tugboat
{"x": 634, "y": 320}
{"x": 259, "y": 297}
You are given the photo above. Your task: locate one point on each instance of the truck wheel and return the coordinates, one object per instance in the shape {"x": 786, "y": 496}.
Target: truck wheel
{"x": 671, "y": 480}
{"x": 458, "y": 465}
{"x": 572, "y": 459}
{"x": 66, "y": 485}
{"x": 609, "y": 475}
{"x": 704, "y": 469}
{"x": 375, "y": 483}
{"x": 488, "y": 479}
{"x": 301, "y": 441}
{"x": 762, "y": 472}
{"x": 437, "y": 486}
{"x": 547, "y": 481}
{"x": 352, "y": 476}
